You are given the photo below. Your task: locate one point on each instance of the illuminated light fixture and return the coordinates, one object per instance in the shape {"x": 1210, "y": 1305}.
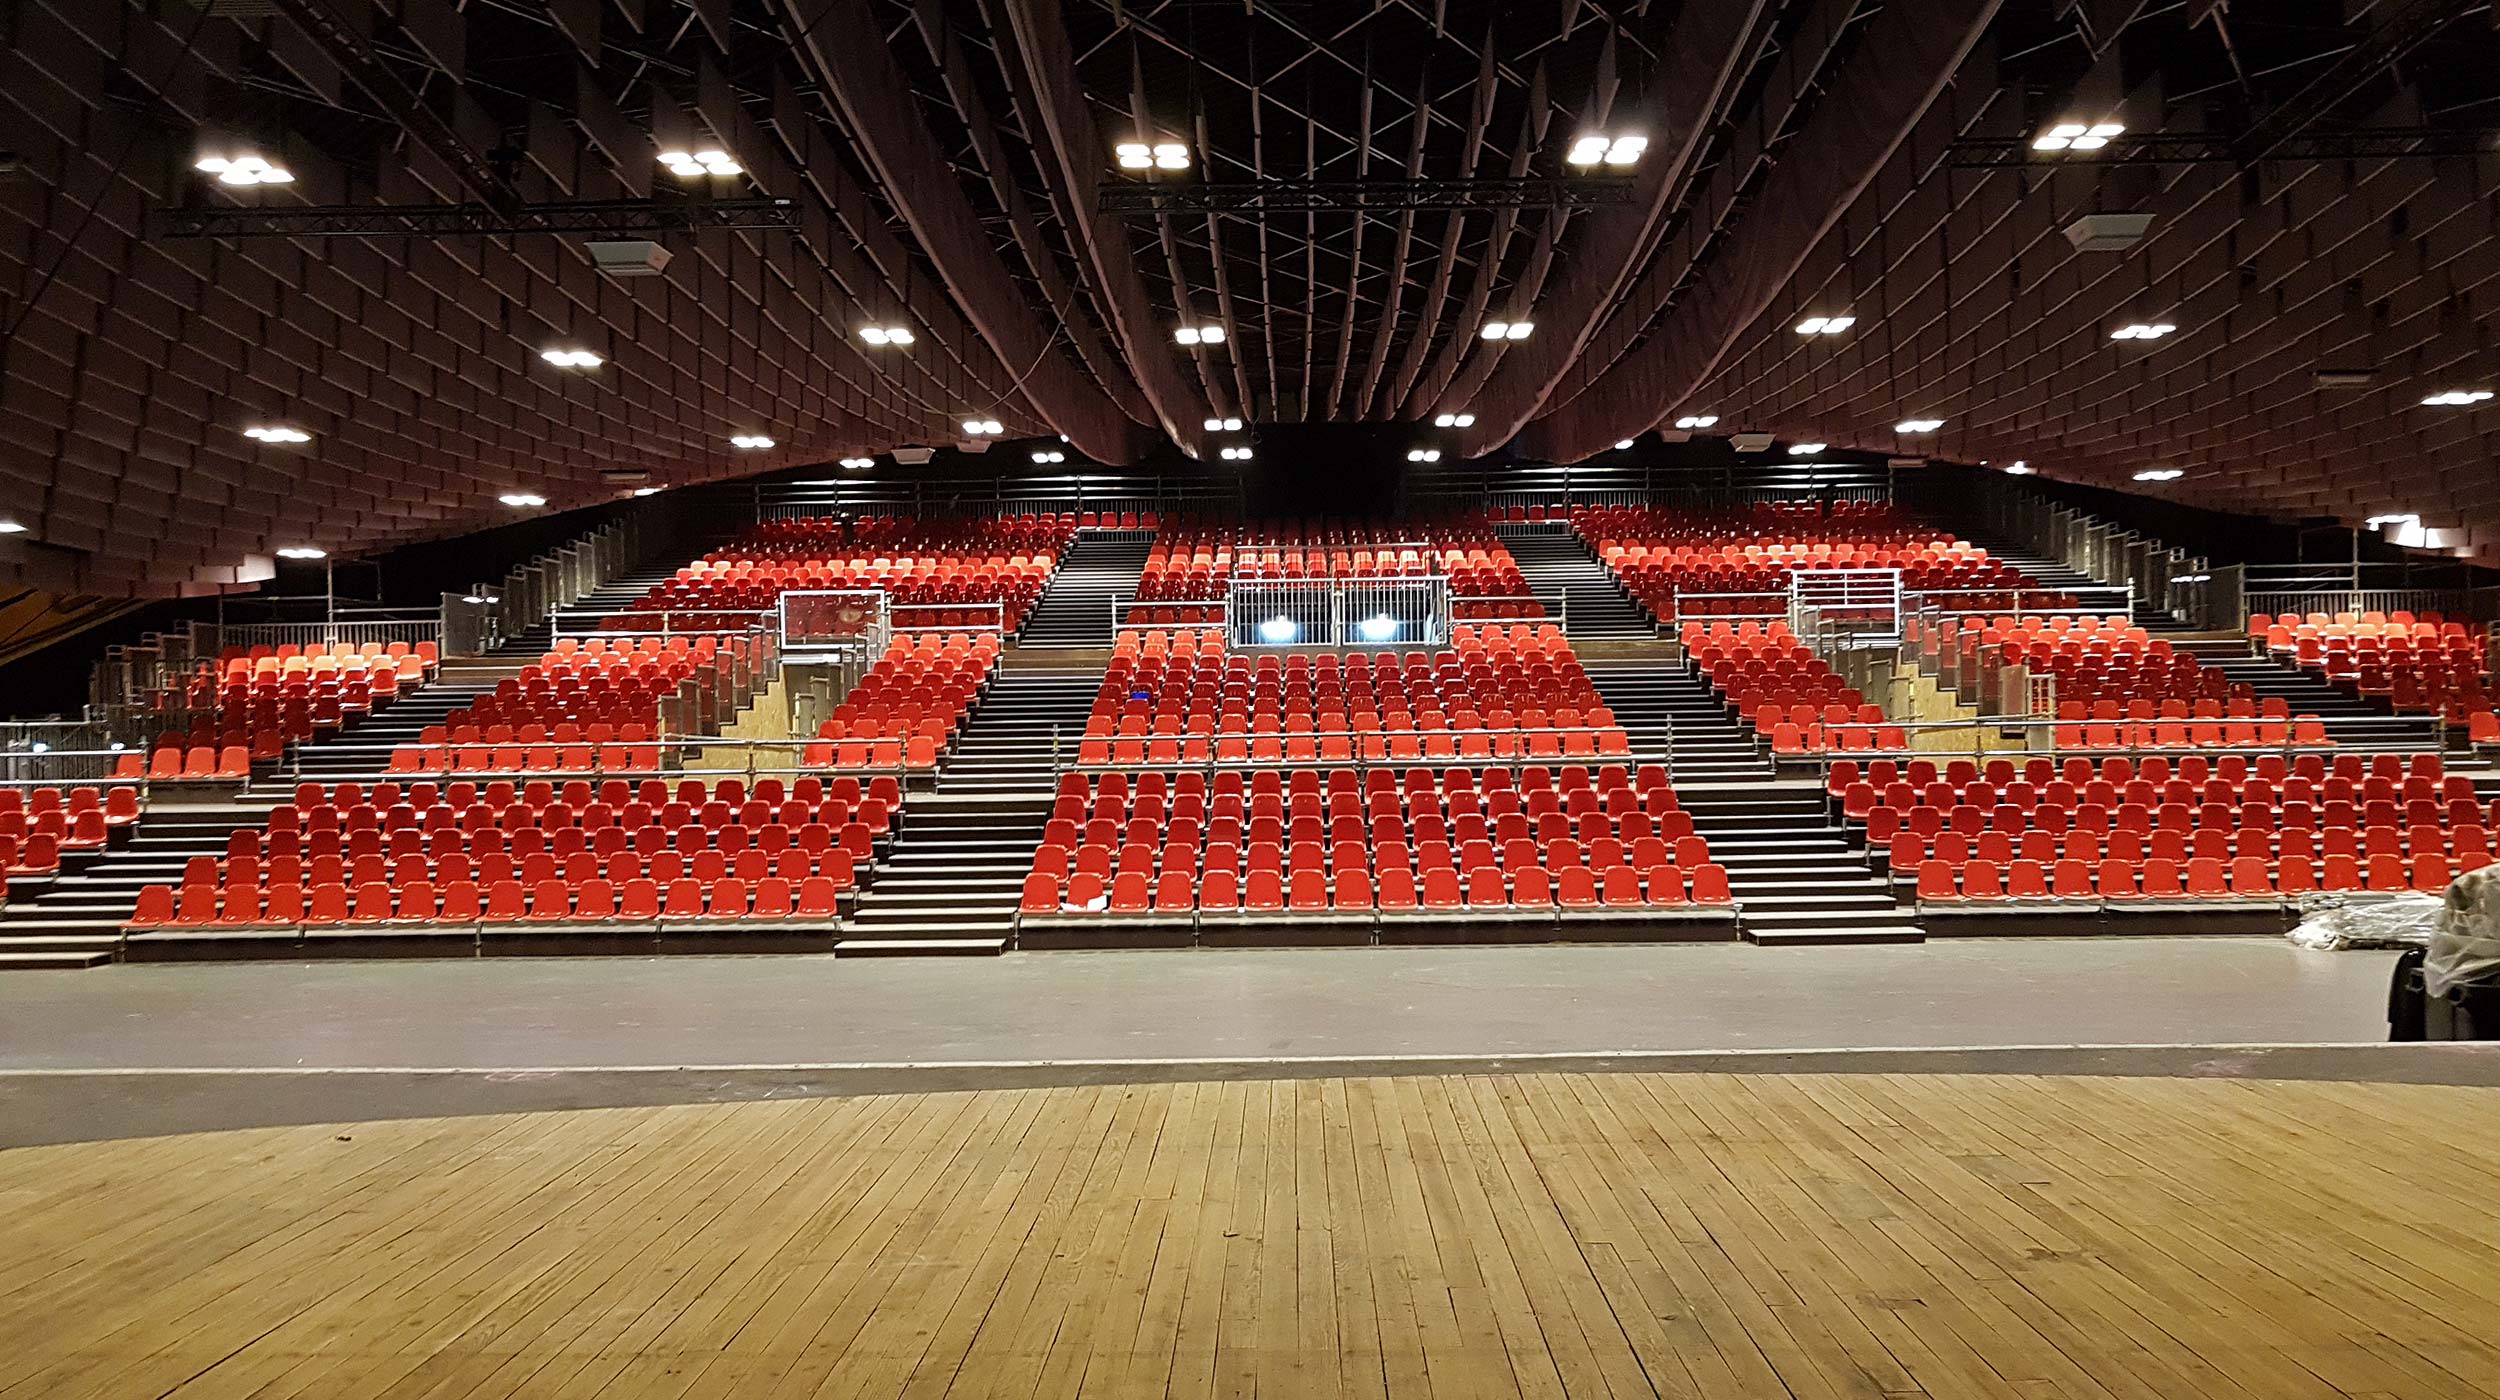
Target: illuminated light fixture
{"x": 1134, "y": 155}
{"x": 1508, "y": 330}
{"x": 1223, "y": 425}
{"x": 2142, "y": 330}
{"x": 1199, "y": 335}
{"x": 1697, "y": 420}
{"x": 2160, "y": 474}
{"x": 641, "y": 491}
{"x": 2191, "y": 578}
{"x": 1602, "y": 150}
{"x": 2019, "y": 469}
{"x": 1236, "y": 454}
{"x": 1918, "y": 425}
{"x": 886, "y": 335}
{"x": 2376, "y": 521}
{"x": 750, "y": 441}
{"x": 858, "y": 463}
{"x": 1454, "y": 420}
{"x": 1380, "y": 627}
{"x": 243, "y": 170}
{"x": 1171, "y": 155}
{"x": 2457, "y": 398}
{"x": 1423, "y": 454}
{"x": 11, "y": 527}
{"x": 1279, "y": 630}
{"x": 521, "y": 499}
{"x": 694, "y": 165}
{"x": 2077, "y": 136}
{"x": 982, "y": 427}
{"x": 303, "y": 551}
{"x": 277, "y": 434}
{"x": 570, "y": 359}
{"x": 1050, "y": 456}
{"x": 475, "y": 598}
{"x": 1625, "y": 444}
{"x": 1825, "y": 325}
{"x": 1807, "y": 449}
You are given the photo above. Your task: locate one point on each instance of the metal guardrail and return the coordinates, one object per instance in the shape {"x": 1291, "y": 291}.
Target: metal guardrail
{"x": 484, "y": 617}
{"x": 1508, "y": 746}
{"x": 2036, "y": 736}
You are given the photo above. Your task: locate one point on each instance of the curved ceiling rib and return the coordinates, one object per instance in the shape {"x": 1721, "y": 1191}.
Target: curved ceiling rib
{"x": 947, "y": 46}
{"x": 1909, "y": 54}
{"x": 881, "y": 113}
{"x": 1069, "y": 144}
{"x": 1710, "y": 44}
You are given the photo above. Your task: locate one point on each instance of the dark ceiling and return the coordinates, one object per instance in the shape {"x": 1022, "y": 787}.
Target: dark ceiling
{"x": 947, "y": 157}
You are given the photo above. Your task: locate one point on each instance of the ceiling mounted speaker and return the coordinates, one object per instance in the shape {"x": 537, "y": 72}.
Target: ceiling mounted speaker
{"x": 2108, "y": 233}
{"x": 915, "y": 456}
{"x": 624, "y": 476}
{"x": 979, "y": 444}
{"x": 1674, "y": 435}
{"x": 1751, "y": 442}
{"x": 628, "y": 257}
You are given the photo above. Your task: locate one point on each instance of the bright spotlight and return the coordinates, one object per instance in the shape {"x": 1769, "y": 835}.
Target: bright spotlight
{"x": 1378, "y": 628}
{"x": 522, "y": 500}
{"x": 1697, "y": 420}
{"x": 1807, "y": 449}
{"x": 1918, "y": 425}
{"x": 1279, "y": 630}
{"x": 303, "y": 551}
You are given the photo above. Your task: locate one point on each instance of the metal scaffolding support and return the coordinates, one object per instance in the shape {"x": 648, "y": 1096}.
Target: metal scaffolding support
{"x": 593, "y": 218}
{"x": 1296, "y": 196}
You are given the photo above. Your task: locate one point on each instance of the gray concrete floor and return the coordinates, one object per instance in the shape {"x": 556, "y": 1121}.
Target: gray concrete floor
{"x": 1369, "y": 1004}
{"x": 133, "y": 1051}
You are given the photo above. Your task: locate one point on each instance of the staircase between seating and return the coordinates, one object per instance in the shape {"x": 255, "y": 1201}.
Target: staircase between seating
{"x": 1557, "y": 562}
{"x": 951, "y": 882}
{"x": 1668, "y": 710}
{"x": 1795, "y": 876}
{"x": 1075, "y": 609}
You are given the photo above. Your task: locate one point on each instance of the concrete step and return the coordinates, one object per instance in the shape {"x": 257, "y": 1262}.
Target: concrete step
{"x": 968, "y": 945}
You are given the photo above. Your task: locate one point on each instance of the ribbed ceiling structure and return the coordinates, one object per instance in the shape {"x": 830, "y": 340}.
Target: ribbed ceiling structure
{"x": 946, "y": 162}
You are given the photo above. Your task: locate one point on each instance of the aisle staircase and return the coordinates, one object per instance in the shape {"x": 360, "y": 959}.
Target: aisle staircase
{"x": 952, "y": 880}
{"x": 1075, "y": 610}
{"x": 1668, "y": 710}
{"x": 1796, "y": 878}
{"x": 1557, "y": 563}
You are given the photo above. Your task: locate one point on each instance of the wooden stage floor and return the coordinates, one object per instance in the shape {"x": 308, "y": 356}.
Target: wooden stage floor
{"x": 1625, "y": 1235}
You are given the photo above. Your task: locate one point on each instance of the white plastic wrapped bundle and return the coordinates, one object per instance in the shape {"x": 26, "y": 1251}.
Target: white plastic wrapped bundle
{"x": 2465, "y": 946}
{"x": 2331, "y": 921}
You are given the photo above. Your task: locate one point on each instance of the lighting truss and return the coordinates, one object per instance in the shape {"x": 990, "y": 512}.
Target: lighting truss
{"x": 2185, "y": 148}
{"x": 593, "y": 217}
{"x": 1283, "y": 196}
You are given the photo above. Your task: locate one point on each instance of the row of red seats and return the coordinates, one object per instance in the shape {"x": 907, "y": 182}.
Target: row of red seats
{"x": 2420, "y": 665}
{"x": 1005, "y": 562}
{"x": 1389, "y": 841}
{"x": 596, "y": 901}
{"x": 1389, "y": 893}
{"x": 38, "y": 824}
{"x": 261, "y": 699}
{"x": 608, "y": 695}
{"x": 1500, "y": 691}
{"x": 2246, "y": 878}
{"x": 909, "y": 706}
